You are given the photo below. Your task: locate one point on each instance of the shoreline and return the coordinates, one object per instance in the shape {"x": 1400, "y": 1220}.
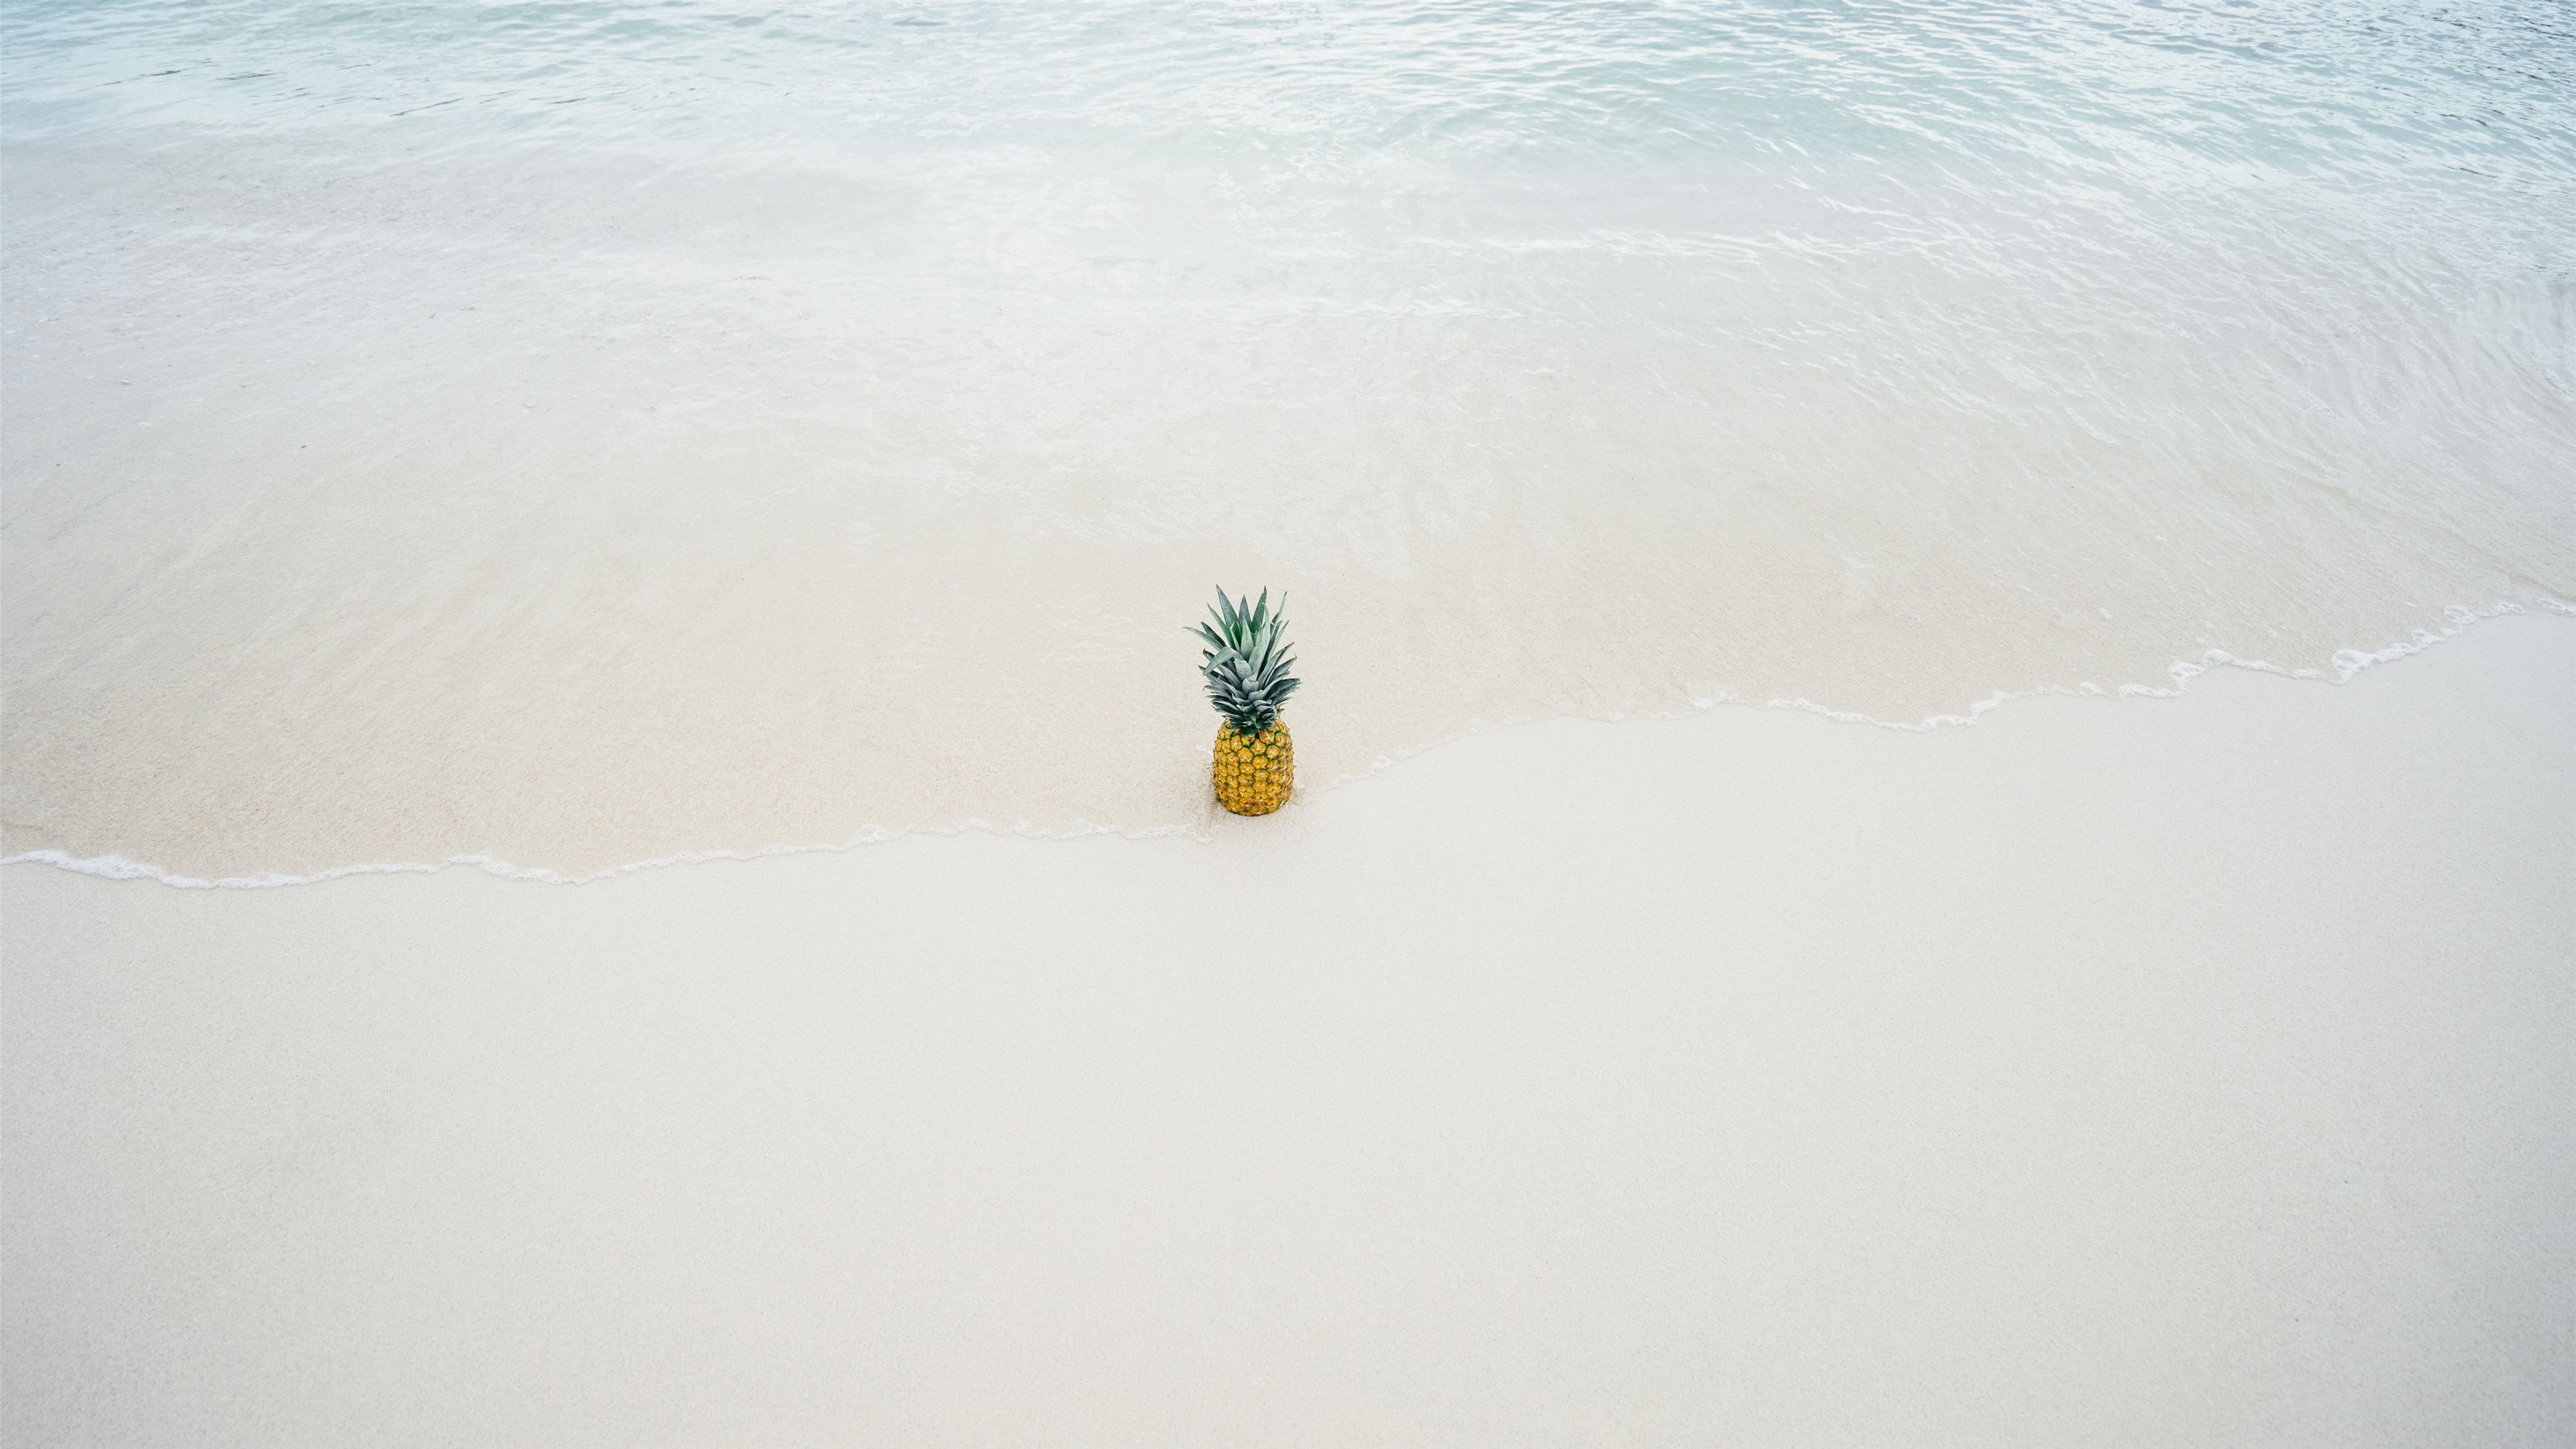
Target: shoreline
{"x": 2349, "y": 664}
{"x": 2186, "y": 1075}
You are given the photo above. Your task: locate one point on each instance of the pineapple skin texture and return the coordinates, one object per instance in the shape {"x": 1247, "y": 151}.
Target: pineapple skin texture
{"x": 1254, "y": 772}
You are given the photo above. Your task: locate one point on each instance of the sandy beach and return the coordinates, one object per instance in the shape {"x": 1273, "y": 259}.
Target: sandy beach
{"x": 2142, "y": 1071}
{"x": 613, "y": 829}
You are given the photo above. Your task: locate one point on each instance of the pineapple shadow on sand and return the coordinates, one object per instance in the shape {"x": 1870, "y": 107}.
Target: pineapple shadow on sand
{"x": 1246, "y": 665}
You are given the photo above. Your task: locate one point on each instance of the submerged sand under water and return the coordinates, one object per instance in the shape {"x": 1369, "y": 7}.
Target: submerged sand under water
{"x": 400, "y": 465}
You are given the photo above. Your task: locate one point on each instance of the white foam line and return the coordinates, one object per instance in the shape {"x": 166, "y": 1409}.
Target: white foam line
{"x": 117, "y": 867}
{"x": 2346, "y": 663}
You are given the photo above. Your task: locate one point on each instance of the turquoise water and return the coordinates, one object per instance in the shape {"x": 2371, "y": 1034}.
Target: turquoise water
{"x": 573, "y": 434}
{"x": 2140, "y": 97}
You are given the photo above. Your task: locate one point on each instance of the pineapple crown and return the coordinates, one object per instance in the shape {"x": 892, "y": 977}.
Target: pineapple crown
{"x": 1246, "y": 662}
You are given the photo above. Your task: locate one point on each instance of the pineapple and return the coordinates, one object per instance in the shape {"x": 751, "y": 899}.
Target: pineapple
{"x": 1246, "y": 668}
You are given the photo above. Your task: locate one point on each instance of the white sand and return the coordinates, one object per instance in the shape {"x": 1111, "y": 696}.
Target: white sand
{"x": 2196, "y": 1071}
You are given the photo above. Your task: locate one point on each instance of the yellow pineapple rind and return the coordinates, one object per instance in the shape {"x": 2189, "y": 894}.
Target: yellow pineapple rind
{"x": 1254, "y": 773}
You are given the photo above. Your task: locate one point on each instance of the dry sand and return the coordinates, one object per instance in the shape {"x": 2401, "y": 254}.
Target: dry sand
{"x": 2189, "y": 1071}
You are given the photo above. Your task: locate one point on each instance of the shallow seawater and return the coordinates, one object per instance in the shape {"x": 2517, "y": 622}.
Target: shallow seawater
{"x": 579, "y": 433}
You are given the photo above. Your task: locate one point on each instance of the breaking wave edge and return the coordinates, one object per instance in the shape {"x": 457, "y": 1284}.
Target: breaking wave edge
{"x": 2341, "y": 668}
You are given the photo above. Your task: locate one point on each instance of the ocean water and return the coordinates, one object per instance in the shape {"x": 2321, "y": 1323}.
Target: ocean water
{"x": 572, "y": 434}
